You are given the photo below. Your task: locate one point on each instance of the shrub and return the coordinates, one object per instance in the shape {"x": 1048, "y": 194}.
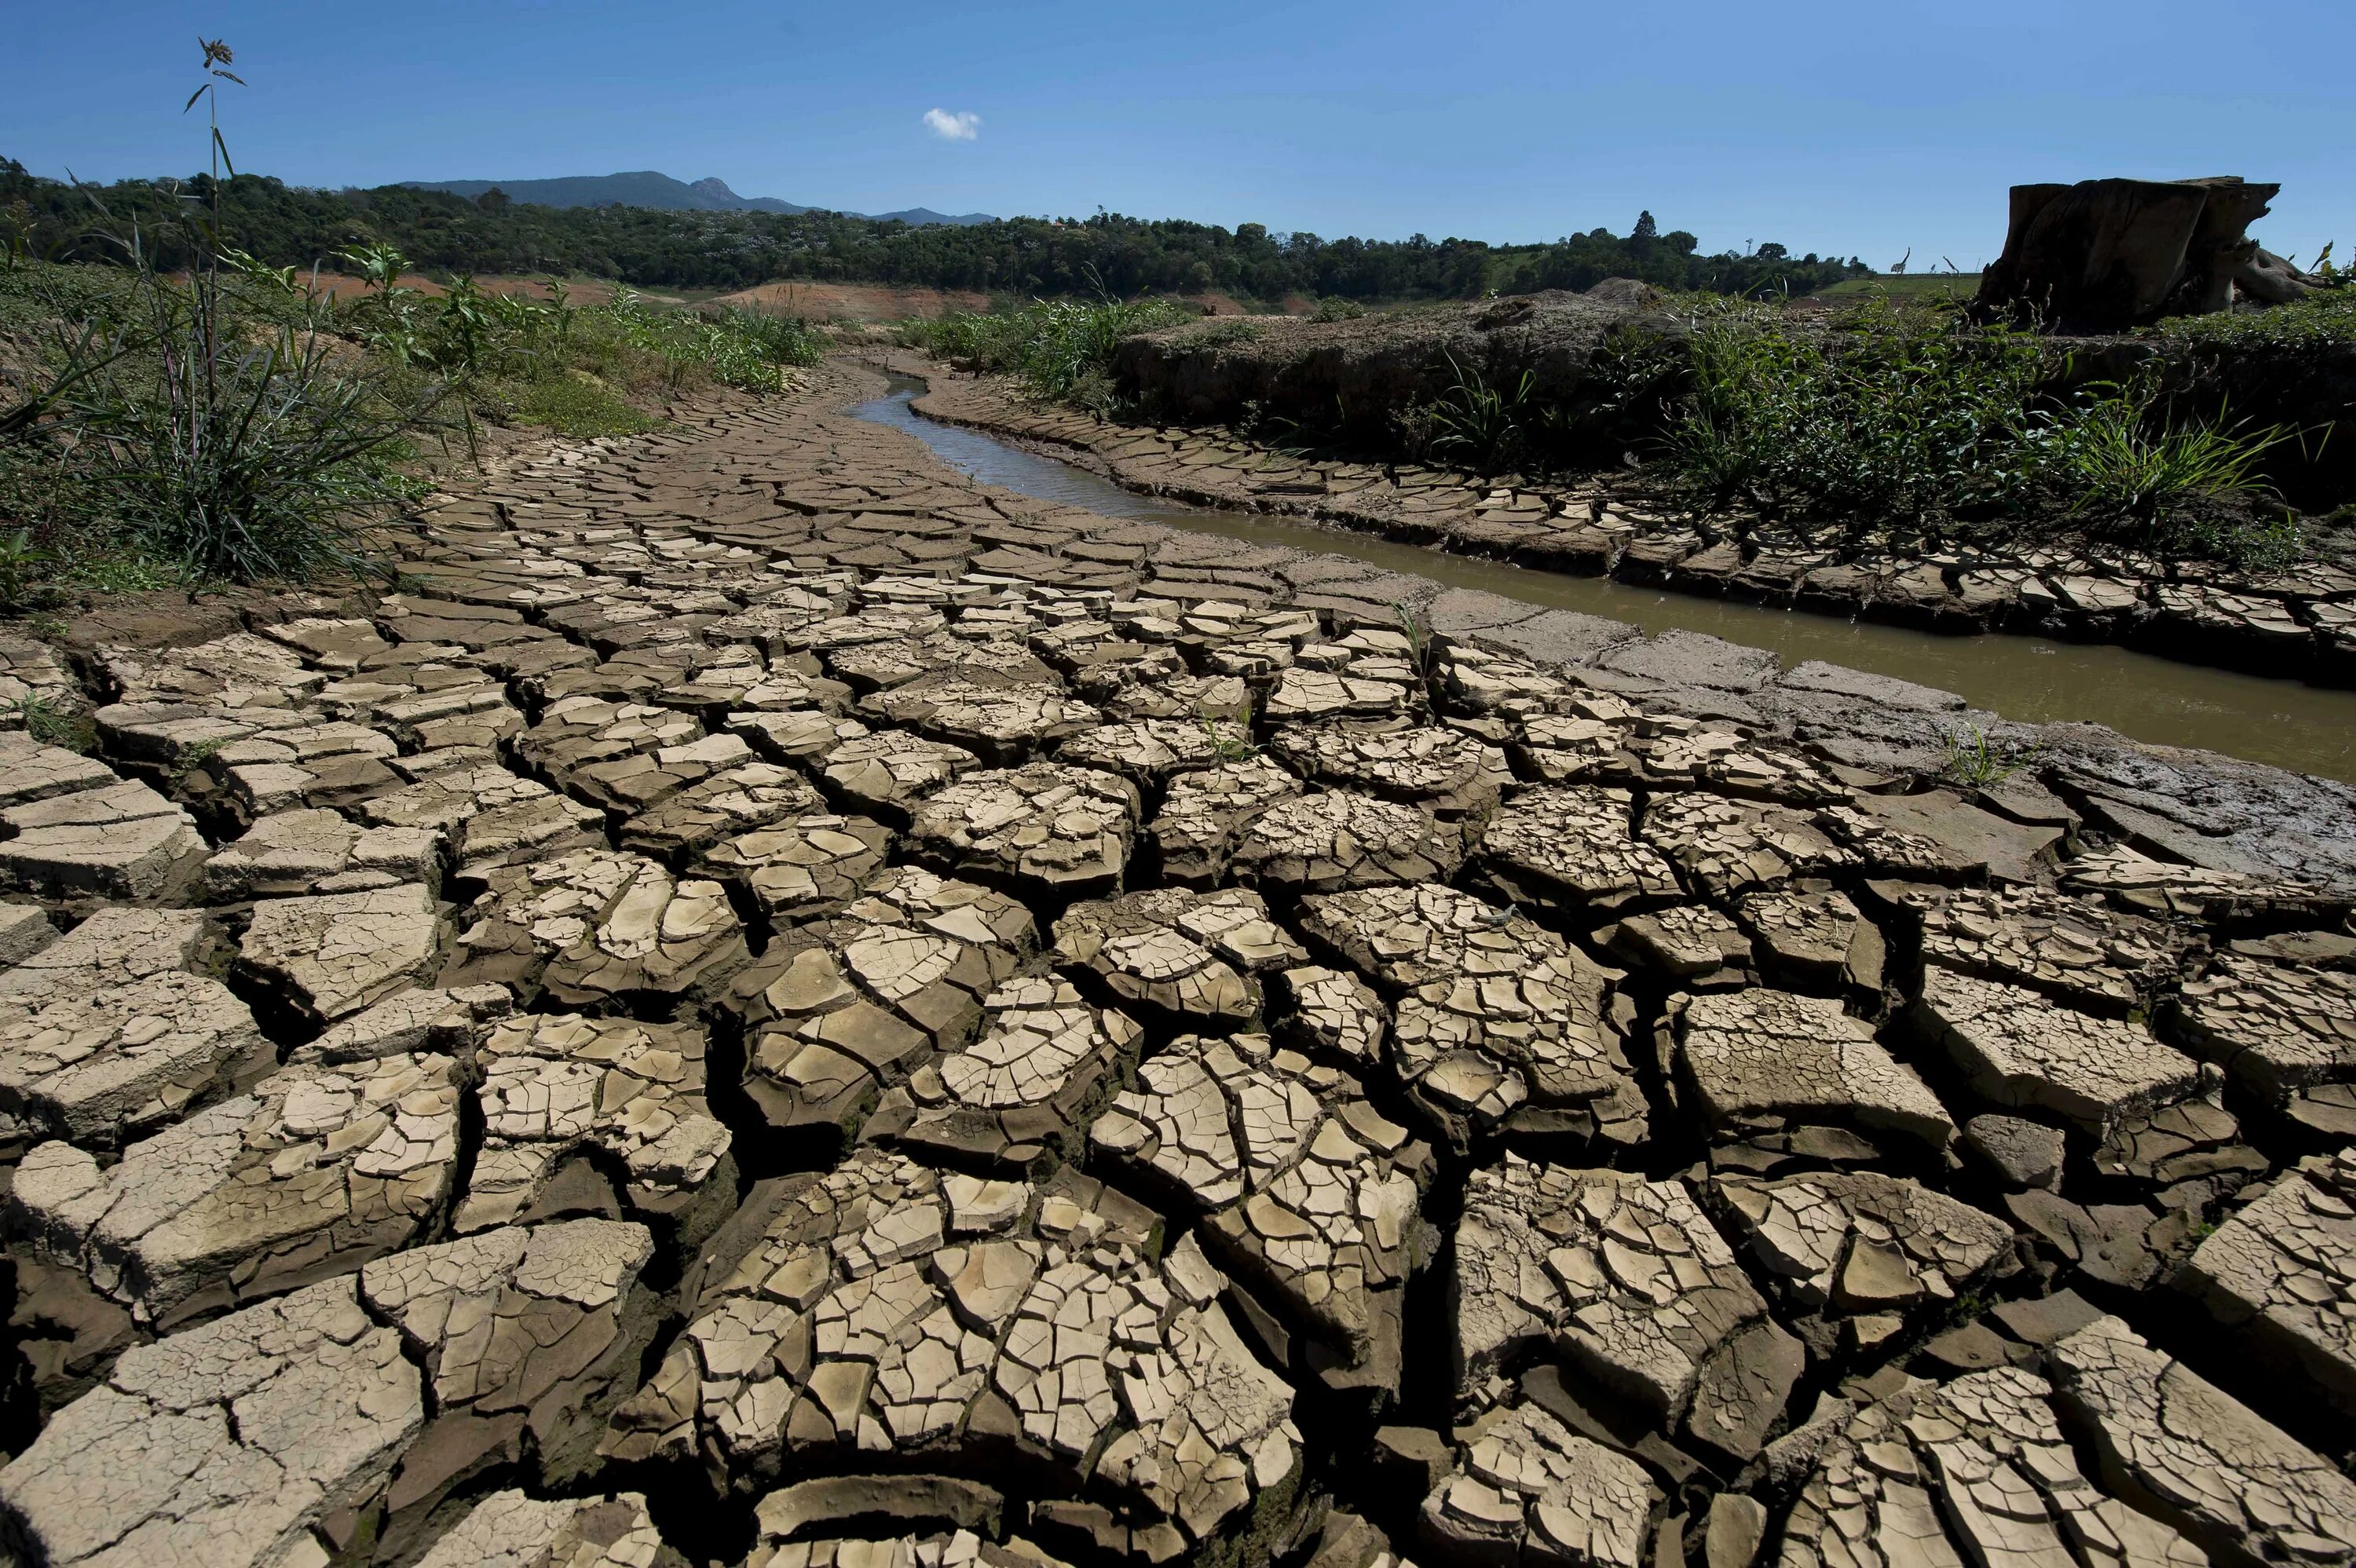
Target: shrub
{"x": 1061, "y": 349}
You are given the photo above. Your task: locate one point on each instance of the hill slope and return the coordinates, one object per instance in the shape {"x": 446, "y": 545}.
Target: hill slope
{"x": 646, "y": 188}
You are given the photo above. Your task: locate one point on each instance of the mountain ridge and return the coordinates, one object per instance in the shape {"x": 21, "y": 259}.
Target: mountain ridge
{"x": 651, "y": 188}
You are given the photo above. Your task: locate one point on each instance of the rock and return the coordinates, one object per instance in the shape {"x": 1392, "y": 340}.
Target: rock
{"x": 1573, "y": 847}
{"x": 555, "y": 1088}
{"x": 1040, "y": 1063}
{"x": 836, "y": 1014}
{"x": 1498, "y": 1021}
{"x": 1206, "y": 810}
{"x": 1063, "y": 831}
{"x": 1010, "y": 1327}
{"x": 1963, "y": 1471}
{"x": 122, "y": 841}
{"x": 2275, "y": 1272}
{"x": 317, "y": 1170}
{"x": 1175, "y": 952}
{"x": 528, "y": 1339}
{"x": 227, "y": 1443}
{"x": 2019, "y": 1050}
{"x": 2105, "y": 254}
{"x": 1764, "y": 1060}
{"x": 335, "y": 954}
{"x": 1325, "y": 843}
{"x": 593, "y": 928}
{"x": 1528, "y": 1488}
{"x": 1625, "y": 1279}
{"x": 2021, "y": 1154}
{"x": 2187, "y": 1453}
{"x": 1310, "y": 1193}
{"x": 507, "y": 1527}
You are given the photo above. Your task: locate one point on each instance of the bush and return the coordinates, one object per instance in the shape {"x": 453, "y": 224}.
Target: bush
{"x": 1906, "y": 416}
{"x": 1061, "y": 349}
{"x": 1900, "y": 413}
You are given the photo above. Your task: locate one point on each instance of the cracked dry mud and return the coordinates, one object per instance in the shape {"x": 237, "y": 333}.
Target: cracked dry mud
{"x": 780, "y": 1007}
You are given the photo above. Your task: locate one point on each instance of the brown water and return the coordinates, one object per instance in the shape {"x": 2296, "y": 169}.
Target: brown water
{"x": 2291, "y": 725}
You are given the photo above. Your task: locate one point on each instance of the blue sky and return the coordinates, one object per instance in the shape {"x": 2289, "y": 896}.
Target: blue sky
{"x": 1844, "y": 127}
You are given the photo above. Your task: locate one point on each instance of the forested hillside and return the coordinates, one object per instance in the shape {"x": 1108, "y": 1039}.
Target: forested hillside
{"x": 287, "y": 225}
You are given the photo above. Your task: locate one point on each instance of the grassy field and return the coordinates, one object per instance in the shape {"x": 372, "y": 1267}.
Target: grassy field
{"x": 242, "y": 422}
{"x": 1905, "y": 285}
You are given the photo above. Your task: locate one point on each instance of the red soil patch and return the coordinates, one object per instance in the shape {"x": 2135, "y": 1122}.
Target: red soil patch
{"x": 854, "y": 302}
{"x": 337, "y": 285}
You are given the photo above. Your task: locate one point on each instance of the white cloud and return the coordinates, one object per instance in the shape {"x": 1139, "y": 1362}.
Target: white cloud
{"x": 961, "y": 126}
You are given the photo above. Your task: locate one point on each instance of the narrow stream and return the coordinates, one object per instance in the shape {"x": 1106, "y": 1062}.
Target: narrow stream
{"x": 2304, "y": 728}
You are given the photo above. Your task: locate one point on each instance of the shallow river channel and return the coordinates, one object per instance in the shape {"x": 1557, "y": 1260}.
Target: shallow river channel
{"x": 2304, "y": 728}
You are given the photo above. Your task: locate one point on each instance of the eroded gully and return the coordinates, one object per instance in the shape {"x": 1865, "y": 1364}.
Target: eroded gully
{"x": 2157, "y": 701}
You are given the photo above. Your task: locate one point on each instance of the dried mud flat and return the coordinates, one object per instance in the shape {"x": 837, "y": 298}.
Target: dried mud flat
{"x": 778, "y": 1007}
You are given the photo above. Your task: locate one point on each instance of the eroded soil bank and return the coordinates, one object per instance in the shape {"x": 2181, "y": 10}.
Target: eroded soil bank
{"x": 780, "y": 1005}
{"x": 2276, "y": 720}
{"x": 2298, "y": 621}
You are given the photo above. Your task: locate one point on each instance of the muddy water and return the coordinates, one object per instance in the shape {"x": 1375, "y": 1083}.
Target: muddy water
{"x": 2303, "y": 728}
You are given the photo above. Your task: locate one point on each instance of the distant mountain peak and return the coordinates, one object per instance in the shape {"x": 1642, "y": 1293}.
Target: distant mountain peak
{"x": 647, "y": 187}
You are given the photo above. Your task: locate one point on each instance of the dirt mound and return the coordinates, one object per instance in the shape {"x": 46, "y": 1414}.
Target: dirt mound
{"x": 590, "y": 293}
{"x": 854, "y": 302}
{"x": 1345, "y": 377}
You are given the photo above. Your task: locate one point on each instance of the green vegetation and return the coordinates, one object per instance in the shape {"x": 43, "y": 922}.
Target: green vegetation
{"x": 2323, "y": 319}
{"x": 1975, "y": 761}
{"x": 1905, "y": 285}
{"x": 287, "y": 226}
{"x": 1476, "y": 425}
{"x": 230, "y": 421}
{"x": 1906, "y": 418}
{"x": 1061, "y": 349}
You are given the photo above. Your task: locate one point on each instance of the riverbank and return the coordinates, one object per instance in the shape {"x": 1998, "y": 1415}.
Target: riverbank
{"x": 909, "y": 1006}
{"x": 2299, "y": 621}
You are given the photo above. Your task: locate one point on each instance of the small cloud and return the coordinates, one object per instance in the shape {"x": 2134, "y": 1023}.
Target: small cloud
{"x": 961, "y": 126}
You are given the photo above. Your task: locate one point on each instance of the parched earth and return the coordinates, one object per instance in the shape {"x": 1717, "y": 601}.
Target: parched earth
{"x": 777, "y": 1006}
{"x": 2297, "y": 620}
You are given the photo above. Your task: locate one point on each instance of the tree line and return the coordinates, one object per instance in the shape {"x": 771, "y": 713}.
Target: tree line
{"x": 287, "y": 225}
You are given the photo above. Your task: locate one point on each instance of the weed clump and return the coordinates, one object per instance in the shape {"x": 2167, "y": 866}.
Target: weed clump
{"x": 1060, "y": 349}
{"x": 1911, "y": 419}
